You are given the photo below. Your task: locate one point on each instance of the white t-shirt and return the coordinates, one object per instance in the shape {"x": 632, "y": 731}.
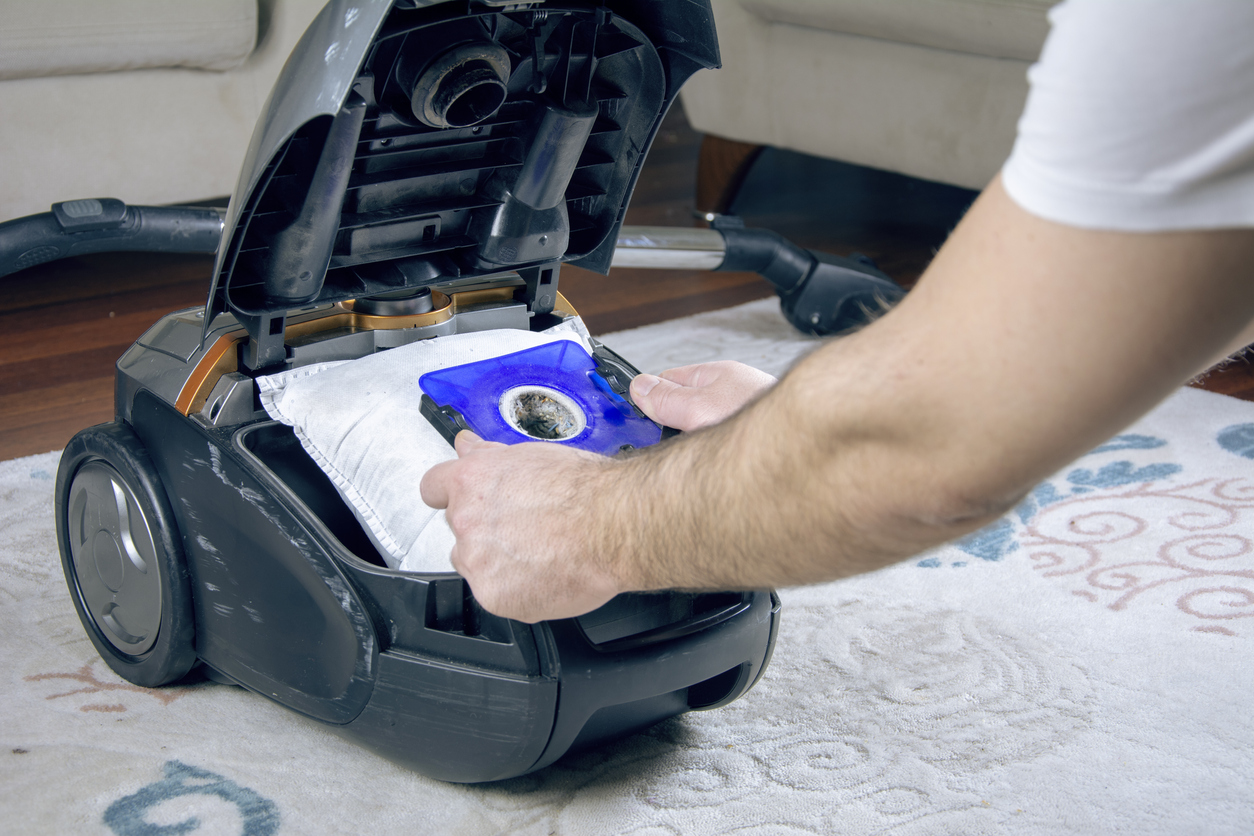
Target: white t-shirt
{"x": 1140, "y": 117}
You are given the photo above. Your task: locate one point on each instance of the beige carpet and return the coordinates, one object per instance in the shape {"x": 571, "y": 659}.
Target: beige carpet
{"x": 1084, "y": 666}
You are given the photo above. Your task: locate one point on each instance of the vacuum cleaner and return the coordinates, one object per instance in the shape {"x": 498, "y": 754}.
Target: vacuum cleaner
{"x": 421, "y": 169}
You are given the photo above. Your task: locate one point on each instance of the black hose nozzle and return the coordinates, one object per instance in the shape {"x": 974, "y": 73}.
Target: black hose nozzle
{"x": 819, "y": 293}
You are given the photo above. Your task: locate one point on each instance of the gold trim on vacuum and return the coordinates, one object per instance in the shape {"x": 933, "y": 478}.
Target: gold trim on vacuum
{"x": 222, "y": 357}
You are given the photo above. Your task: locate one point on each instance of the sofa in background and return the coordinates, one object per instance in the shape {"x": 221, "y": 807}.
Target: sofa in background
{"x": 928, "y": 88}
{"x": 153, "y": 101}
{"x": 149, "y": 101}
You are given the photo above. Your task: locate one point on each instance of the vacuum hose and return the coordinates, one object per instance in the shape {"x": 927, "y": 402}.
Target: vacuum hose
{"x": 819, "y": 293}
{"x": 99, "y": 225}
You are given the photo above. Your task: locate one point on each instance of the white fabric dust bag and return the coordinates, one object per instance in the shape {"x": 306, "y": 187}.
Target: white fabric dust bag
{"x": 361, "y": 422}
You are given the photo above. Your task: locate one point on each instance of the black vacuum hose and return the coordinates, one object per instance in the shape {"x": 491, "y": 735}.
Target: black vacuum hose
{"x": 100, "y": 225}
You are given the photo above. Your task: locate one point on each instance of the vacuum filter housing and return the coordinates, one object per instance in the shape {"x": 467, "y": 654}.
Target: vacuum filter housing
{"x": 422, "y": 169}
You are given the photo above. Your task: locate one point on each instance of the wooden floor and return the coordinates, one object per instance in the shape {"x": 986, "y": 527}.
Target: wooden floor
{"x": 63, "y": 325}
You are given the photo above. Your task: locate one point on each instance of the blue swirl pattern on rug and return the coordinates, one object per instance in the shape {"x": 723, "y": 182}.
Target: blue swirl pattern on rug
{"x": 1239, "y": 439}
{"x": 126, "y": 816}
{"x": 995, "y": 541}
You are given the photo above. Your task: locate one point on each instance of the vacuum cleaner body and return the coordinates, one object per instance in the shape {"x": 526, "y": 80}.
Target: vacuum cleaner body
{"x": 421, "y": 170}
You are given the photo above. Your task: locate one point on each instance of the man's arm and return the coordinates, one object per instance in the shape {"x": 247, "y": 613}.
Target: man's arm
{"x": 1025, "y": 344}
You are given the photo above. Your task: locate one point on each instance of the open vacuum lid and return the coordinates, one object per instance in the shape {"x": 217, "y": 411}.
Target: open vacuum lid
{"x": 410, "y": 144}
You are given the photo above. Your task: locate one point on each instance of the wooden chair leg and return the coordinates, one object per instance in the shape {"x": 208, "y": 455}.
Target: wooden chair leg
{"x": 721, "y": 169}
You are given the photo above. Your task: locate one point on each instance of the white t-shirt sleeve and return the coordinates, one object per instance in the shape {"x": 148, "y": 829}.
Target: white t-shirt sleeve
{"x": 1140, "y": 117}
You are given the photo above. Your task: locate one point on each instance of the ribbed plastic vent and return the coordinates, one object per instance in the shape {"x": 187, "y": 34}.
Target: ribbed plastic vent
{"x": 414, "y": 209}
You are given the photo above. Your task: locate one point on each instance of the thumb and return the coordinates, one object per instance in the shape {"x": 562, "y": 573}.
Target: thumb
{"x": 665, "y": 401}
{"x": 467, "y": 442}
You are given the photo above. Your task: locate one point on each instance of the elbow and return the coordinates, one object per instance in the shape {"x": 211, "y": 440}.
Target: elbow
{"x": 965, "y": 514}
{"x": 946, "y": 513}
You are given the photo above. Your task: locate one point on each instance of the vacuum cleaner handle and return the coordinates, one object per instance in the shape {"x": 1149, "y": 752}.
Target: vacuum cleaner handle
{"x": 819, "y": 293}
{"x": 98, "y": 225}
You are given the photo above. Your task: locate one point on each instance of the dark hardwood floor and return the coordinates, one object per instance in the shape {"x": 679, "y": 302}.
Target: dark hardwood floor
{"x": 63, "y": 325}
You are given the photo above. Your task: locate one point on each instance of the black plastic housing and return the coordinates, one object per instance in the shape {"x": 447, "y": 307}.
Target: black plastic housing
{"x": 371, "y": 198}
{"x": 292, "y": 601}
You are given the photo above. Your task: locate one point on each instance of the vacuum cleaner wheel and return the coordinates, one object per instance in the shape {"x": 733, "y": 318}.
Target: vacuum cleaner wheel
{"x": 121, "y": 557}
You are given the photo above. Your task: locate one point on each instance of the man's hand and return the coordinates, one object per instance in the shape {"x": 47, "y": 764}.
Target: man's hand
{"x": 522, "y": 515}
{"x": 534, "y": 522}
{"x": 691, "y": 397}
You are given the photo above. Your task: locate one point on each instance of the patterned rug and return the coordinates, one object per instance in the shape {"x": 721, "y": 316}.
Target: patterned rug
{"x": 1082, "y": 666}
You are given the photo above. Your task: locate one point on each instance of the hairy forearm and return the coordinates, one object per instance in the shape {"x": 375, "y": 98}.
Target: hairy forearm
{"x": 1024, "y": 345}
{"x": 799, "y": 487}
